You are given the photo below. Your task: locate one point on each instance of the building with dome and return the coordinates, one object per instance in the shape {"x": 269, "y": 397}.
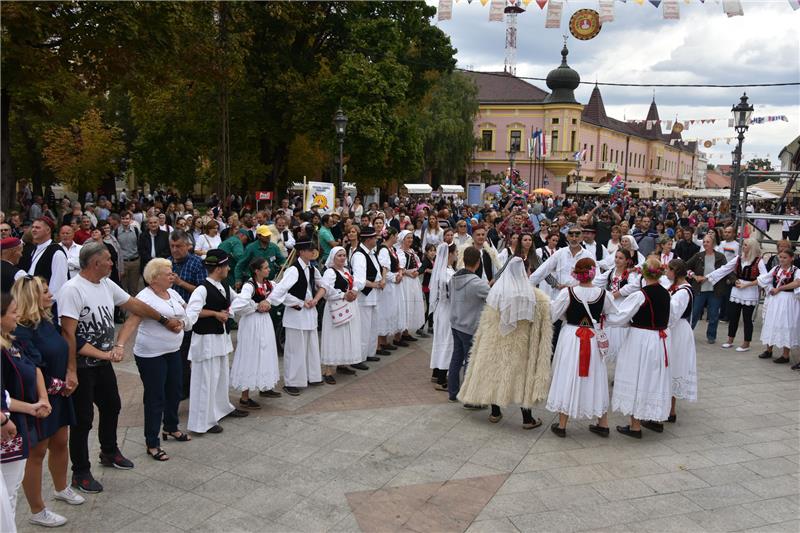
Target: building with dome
{"x": 511, "y": 111}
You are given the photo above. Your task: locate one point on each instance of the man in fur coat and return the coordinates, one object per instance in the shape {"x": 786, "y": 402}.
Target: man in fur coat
{"x": 510, "y": 356}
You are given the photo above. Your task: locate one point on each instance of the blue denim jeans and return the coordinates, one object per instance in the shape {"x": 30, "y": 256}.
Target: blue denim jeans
{"x": 462, "y": 342}
{"x": 161, "y": 377}
{"x": 701, "y": 301}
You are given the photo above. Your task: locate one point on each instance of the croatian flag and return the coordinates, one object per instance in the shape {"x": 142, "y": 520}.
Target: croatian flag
{"x": 579, "y": 155}
{"x": 538, "y": 144}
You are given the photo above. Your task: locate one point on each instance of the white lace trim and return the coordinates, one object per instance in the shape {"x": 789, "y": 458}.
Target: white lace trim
{"x": 685, "y": 387}
{"x": 565, "y": 408}
{"x": 744, "y": 301}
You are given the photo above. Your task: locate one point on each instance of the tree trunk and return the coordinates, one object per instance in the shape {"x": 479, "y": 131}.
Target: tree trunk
{"x": 35, "y": 157}
{"x": 8, "y": 191}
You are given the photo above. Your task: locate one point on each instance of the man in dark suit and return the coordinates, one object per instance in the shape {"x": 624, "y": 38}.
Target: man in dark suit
{"x": 153, "y": 243}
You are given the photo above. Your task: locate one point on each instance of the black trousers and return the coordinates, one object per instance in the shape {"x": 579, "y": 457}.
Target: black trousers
{"x": 725, "y": 305}
{"x": 97, "y": 385}
{"x": 187, "y": 365}
{"x": 734, "y": 310}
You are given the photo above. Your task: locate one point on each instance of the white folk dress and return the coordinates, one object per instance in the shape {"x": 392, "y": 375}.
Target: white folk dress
{"x": 642, "y": 381}
{"x": 683, "y": 353}
{"x": 340, "y": 345}
{"x": 442, "y": 345}
{"x": 626, "y": 282}
{"x": 781, "y": 327}
{"x": 412, "y": 292}
{"x": 255, "y": 362}
{"x": 210, "y": 374}
{"x": 571, "y": 394}
{"x": 391, "y": 300}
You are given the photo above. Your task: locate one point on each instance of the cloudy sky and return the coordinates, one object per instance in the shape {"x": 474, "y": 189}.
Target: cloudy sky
{"x": 704, "y": 46}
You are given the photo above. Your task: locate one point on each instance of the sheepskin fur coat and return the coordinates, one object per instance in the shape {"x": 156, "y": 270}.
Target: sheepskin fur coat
{"x": 514, "y": 369}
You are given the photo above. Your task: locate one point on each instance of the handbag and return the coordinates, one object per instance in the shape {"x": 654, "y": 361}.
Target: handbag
{"x": 599, "y": 334}
{"x": 341, "y": 312}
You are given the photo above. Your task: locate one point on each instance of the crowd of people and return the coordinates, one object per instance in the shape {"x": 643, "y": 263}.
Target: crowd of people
{"x": 526, "y": 302}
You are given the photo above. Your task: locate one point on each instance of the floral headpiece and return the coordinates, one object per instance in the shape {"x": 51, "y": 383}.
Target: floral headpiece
{"x": 584, "y": 277}
{"x": 654, "y": 272}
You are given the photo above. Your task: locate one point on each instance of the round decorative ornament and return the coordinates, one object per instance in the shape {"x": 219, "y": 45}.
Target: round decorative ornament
{"x": 708, "y": 144}
{"x": 585, "y": 24}
{"x": 677, "y": 128}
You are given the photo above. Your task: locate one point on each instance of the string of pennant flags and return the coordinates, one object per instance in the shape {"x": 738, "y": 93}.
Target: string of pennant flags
{"x": 686, "y": 124}
{"x": 670, "y": 8}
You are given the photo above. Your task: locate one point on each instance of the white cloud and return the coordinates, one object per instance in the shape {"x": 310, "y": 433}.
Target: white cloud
{"x": 704, "y": 46}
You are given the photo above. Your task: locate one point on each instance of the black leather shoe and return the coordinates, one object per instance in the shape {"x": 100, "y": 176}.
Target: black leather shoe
{"x": 672, "y": 418}
{"x": 559, "y": 432}
{"x": 383, "y": 352}
{"x": 270, "y": 394}
{"x": 315, "y": 383}
{"x": 373, "y": 359}
{"x": 401, "y": 343}
{"x": 765, "y": 355}
{"x": 291, "y": 391}
{"x": 626, "y": 430}
{"x": 238, "y": 413}
{"x": 409, "y": 338}
{"x": 330, "y": 380}
{"x": 781, "y": 360}
{"x": 215, "y": 429}
{"x": 345, "y": 370}
{"x": 658, "y": 427}
{"x": 389, "y": 347}
{"x": 360, "y": 366}
{"x": 598, "y": 430}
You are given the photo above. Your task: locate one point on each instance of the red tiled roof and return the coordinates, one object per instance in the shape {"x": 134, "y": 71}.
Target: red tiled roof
{"x": 503, "y": 88}
{"x": 715, "y": 180}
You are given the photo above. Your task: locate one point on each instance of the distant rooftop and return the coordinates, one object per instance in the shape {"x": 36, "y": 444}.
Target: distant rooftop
{"x": 503, "y": 88}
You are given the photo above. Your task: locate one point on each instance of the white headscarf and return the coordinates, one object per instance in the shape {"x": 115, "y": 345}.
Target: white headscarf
{"x": 335, "y": 250}
{"x": 400, "y": 237}
{"x": 512, "y": 296}
{"x": 439, "y": 275}
{"x": 629, "y": 238}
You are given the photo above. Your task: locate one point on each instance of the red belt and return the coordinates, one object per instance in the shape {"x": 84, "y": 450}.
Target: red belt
{"x": 585, "y": 335}
{"x": 662, "y": 334}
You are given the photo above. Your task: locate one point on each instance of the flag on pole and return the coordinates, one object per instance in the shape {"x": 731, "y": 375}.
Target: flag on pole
{"x": 553, "y": 19}
{"x": 579, "y": 155}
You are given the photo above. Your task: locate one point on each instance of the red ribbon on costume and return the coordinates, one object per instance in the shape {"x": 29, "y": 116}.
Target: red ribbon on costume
{"x": 663, "y": 336}
{"x": 585, "y": 335}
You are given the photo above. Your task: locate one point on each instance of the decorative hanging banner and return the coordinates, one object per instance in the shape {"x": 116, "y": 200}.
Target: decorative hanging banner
{"x": 606, "y": 11}
{"x": 553, "y": 19}
{"x": 526, "y": 2}
{"x": 770, "y": 118}
{"x": 640, "y": 2}
{"x": 584, "y": 24}
{"x": 496, "y": 10}
{"x": 671, "y": 10}
{"x": 320, "y": 194}
{"x": 655, "y": 3}
{"x": 542, "y": 3}
{"x": 732, "y": 8}
{"x": 483, "y": 2}
{"x": 445, "y": 11}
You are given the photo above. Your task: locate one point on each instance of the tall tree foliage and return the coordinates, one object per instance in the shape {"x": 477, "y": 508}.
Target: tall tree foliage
{"x": 169, "y": 74}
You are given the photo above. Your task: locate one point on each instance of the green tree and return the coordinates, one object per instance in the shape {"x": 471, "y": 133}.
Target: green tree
{"x": 84, "y": 153}
{"x": 447, "y": 123}
{"x": 759, "y": 163}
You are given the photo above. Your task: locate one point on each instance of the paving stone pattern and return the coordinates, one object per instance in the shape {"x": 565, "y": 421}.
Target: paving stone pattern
{"x": 383, "y": 451}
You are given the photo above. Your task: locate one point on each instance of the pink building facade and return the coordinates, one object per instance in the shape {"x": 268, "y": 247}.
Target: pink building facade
{"x": 512, "y": 110}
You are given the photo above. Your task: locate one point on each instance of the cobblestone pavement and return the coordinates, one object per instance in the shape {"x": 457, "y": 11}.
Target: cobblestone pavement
{"x": 383, "y": 451}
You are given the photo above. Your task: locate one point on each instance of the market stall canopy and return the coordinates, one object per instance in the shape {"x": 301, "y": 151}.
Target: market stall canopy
{"x": 450, "y": 189}
{"x": 776, "y": 187}
{"x": 604, "y": 189}
{"x": 418, "y": 188}
{"x": 761, "y": 194}
{"x": 580, "y": 187}
{"x": 544, "y": 191}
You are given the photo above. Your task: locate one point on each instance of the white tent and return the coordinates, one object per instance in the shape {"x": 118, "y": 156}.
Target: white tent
{"x": 580, "y": 187}
{"x": 418, "y": 188}
{"x": 761, "y": 194}
{"x": 604, "y": 189}
{"x": 451, "y": 189}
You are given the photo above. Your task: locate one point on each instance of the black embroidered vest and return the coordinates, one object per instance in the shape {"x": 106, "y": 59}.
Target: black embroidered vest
{"x": 654, "y": 312}
{"x": 215, "y": 301}
{"x": 300, "y": 288}
{"x": 372, "y": 272}
{"x": 576, "y": 313}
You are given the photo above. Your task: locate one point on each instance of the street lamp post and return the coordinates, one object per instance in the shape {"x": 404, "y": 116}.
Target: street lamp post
{"x": 741, "y": 120}
{"x": 511, "y": 155}
{"x": 340, "y": 123}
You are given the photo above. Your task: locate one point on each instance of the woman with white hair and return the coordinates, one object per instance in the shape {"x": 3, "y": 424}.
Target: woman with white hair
{"x": 158, "y": 358}
{"x": 747, "y": 266}
{"x": 442, "y": 347}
